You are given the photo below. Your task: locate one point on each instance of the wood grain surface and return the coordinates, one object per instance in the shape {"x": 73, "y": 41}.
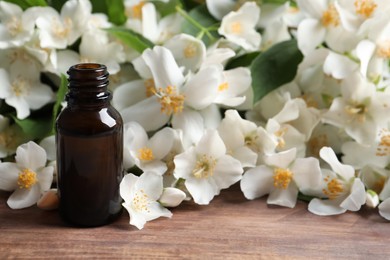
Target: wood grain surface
{"x": 231, "y": 227}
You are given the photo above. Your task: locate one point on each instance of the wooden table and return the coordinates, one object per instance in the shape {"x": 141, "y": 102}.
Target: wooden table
{"x": 231, "y": 227}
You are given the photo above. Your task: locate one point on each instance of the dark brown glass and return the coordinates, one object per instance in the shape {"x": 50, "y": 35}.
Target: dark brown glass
{"x": 89, "y": 137}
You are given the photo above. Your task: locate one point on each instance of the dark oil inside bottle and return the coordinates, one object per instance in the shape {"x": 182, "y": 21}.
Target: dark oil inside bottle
{"x": 89, "y": 142}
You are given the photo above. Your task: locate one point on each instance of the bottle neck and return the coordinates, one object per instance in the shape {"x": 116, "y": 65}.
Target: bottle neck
{"x": 88, "y": 83}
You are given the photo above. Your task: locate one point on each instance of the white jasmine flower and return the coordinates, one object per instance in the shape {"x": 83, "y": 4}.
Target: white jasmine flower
{"x": 21, "y": 88}
{"x": 187, "y": 50}
{"x": 207, "y": 168}
{"x": 46, "y": 56}
{"x": 377, "y": 180}
{"x": 239, "y": 27}
{"x": 142, "y": 18}
{"x": 49, "y": 144}
{"x": 147, "y": 153}
{"x": 60, "y": 30}
{"x": 361, "y": 110}
{"x": 322, "y": 24}
{"x": 141, "y": 196}
{"x": 16, "y": 26}
{"x": 172, "y": 197}
{"x": 343, "y": 190}
{"x": 27, "y": 177}
{"x": 281, "y": 177}
{"x": 339, "y": 66}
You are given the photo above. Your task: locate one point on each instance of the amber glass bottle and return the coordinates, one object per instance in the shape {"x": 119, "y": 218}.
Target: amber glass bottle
{"x": 89, "y": 137}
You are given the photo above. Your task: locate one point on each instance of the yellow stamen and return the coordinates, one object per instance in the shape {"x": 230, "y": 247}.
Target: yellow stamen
{"x": 141, "y": 201}
{"x": 383, "y": 148}
{"x": 145, "y": 154}
{"x": 330, "y": 17}
{"x": 334, "y": 188}
{"x": 282, "y": 178}
{"x": 280, "y": 136}
{"x": 27, "y": 178}
{"x": 204, "y": 167}
{"x": 223, "y": 86}
{"x": 236, "y": 27}
{"x": 365, "y": 7}
{"x": 62, "y": 30}
{"x": 310, "y": 101}
{"x": 136, "y": 10}
{"x": 251, "y": 141}
{"x": 190, "y": 51}
{"x": 20, "y": 87}
{"x": 171, "y": 102}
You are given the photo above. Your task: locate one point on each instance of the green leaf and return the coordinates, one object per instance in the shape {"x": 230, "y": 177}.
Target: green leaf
{"x": 116, "y": 11}
{"x": 24, "y": 4}
{"x": 275, "y": 67}
{"x": 242, "y": 61}
{"x": 130, "y": 38}
{"x": 199, "y": 23}
{"x": 34, "y": 128}
{"x": 59, "y": 98}
{"x": 168, "y": 8}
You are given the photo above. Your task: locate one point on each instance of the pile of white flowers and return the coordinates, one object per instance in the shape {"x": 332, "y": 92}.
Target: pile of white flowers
{"x": 289, "y": 98}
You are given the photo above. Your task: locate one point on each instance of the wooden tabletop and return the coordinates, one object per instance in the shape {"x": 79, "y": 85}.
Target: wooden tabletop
{"x": 231, "y": 227}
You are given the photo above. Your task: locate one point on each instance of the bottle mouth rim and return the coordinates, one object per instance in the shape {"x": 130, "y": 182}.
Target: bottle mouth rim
{"x": 89, "y": 66}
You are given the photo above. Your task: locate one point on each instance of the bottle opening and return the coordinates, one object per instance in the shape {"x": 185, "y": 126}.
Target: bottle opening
{"x": 88, "y": 66}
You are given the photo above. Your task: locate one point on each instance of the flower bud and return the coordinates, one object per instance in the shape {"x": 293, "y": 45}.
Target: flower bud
{"x": 372, "y": 199}
{"x": 172, "y": 197}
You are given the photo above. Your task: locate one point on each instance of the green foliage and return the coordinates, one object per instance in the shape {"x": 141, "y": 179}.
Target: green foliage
{"x": 167, "y": 8}
{"x": 114, "y": 9}
{"x": 130, "y": 38}
{"x": 59, "y": 98}
{"x": 199, "y": 23}
{"x": 24, "y": 4}
{"x": 34, "y": 128}
{"x": 242, "y": 61}
{"x": 274, "y": 67}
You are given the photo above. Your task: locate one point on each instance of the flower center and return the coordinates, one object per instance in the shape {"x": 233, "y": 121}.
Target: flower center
{"x": 145, "y": 154}
{"x": 365, "y": 7}
{"x": 236, "y": 27}
{"x": 282, "y": 178}
{"x": 171, "y": 101}
{"x": 20, "y": 87}
{"x": 383, "y": 50}
{"x": 27, "y": 178}
{"x": 357, "y": 112}
{"x": 141, "y": 201}
{"x": 251, "y": 141}
{"x": 204, "y": 167}
{"x": 334, "y": 188}
{"x": 14, "y": 26}
{"x": 330, "y": 17}
{"x": 316, "y": 143}
{"x": 383, "y": 148}
{"x": 310, "y": 101}
{"x": 190, "y": 51}
{"x": 224, "y": 86}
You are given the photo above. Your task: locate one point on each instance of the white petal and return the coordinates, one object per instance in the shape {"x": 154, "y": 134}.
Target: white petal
{"x": 163, "y": 67}
{"x": 151, "y": 183}
{"x": 49, "y": 144}
{"x": 220, "y": 8}
{"x": 192, "y": 125}
{"x": 307, "y": 173}
{"x": 384, "y": 209}
{"x": 23, "y": 198}
{"x": 357, "y": 197}
{"x": 364, "y": 51}
{"x": 281, "y": 159}
{"x": 147, "y": 113}
{"x": 328, "y": 155}
{"x": 149, "y": 22}
{"x": 310, "y": 35}
{"x": 185, "y": 163}
{"x": 201, "y": 190}
{"x": 325, "y": 207}
{"x": 30, "y": 156}
{"x": 126, "y": 187}
{"x": 246, "y": 156}
{"x": 172, "y": 197}
{"x": 45, "y": 178}
{"x": 40, "y": 96}
{"x": 313, "y": 8}
{"x": 227, "y": 172}
{"x": 128, "y": 94}
{"x": 202, "y": 89}
{"x": 161, "y": 142}
{"x": 9, "y": 174}
{"x": 257, "y": 182}
{"x": 284, "y": 197}
{"x": 21, "y": 106}
{"x": 211, "y": 144}
{"x": 339, "y": 66}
